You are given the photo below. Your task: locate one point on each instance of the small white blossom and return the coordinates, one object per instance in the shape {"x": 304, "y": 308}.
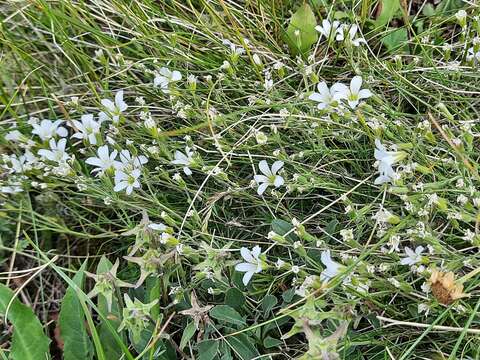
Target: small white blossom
{"x": 252, "y": 264}
{"x": 351, "y": 35}
{"x": 269, "y": 176}
{"x": 385, "y": 161}
{"x": 47, "y": 129}
{"x": 56, "y": 152}
{"x": 104, "y": 160}
{"x": 332, "y": 268}
{"x": 88, "y": 128}
{"x": 113, "y": 109}
{"x": 164, "y": 77}
{"x": 325, "y": 97}
{"x": 352, "y": 94}
{"x": 127, "y": 180}
{"x": 328, "y": 28}
{"x": 185, "y": 159}
{"x": 413, "y": 257}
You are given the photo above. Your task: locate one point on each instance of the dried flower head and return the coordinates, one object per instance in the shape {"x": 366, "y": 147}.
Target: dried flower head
{"x": 444, "y": 288}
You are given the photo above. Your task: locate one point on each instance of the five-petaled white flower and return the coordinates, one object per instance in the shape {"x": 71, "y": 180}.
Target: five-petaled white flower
{"x": 413, "y": 257}
{"x": 325, "y": 96}
{"x": 184, "y": 159}
{"x": 113, "y": 109}
{"x": 57, "y": 151}
{"x": 104, "y": 161}
{"x": 127, "y": 179}
{"x": 332, "y": 268}
{"x": 269, "y": 177}
{"x": 328, "y": 28}
{"x": 88, "y": 128}
{"x": 47, "y": 129}
{"x": 385, "y": 161}
{"x": 164, "y": 77}
{"x": 351, "y": 35}
{"x": 129, "y": 161}
{"x": 252, "y": 264}
{"x": 352, "y": 94}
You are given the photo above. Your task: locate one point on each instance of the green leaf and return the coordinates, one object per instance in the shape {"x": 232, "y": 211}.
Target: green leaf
{"x": 268, "y": 302}
{"x": 234, "y": 298}
{"x": 188, "y": 333}
{"x": 428, "y": 10}
{"x": 302, "y": 22}
{"x": 207, "y": 349}
{"x": 244, "y": 346}
{"x": 29, "y": 342}
{"x": 389, "y": 10}
{"x": 227, "y": 314}
{"x": 281, "y": 227}
{"x": 270, "y": 342}
{"x": 77, "y": 345}
{"x": 396, "y": 40}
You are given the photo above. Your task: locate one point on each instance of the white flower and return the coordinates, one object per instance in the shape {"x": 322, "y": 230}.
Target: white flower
{"x": 325, "y": 96}
{"x": 328, "y": 29}
{"x": 472, "y": 55}
{"x": 269, "y": 177}
{"x": 103, "y": 161}
{"x": 413, "y": 257}
{"x": 184, "y": 159}
{"x": 57, "y": 151}
{"x": 22, "y": 163}
{"x": 88, "y": 128}
{"x": 385, "y": 161}
{"x": 332, "y": 268}
{"x": 114, "y": 109}
{"x": 131, "y": 162}
{"x": 352, "y": 94}
{"x": 252, "y": 264}
{"x": 47, "y": 129}
{"x": 351, "y": 35}
{"x": 164, "y": 77}
{"x": 127, "y": 180}
{"x": 236, "y": 50}
{"x": 14, "y": 135}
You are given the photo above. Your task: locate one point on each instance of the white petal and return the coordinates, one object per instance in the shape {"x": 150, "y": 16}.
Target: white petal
{"x": 187, "y": 171}
{"x": 246, "y": 267}
{"x": 364, "y": 94}
{"x": 246, "y": 255}
{"x": 119, "y": 97}
{"x": 256, "y": 251}
{"x": 260, "y": 179}
{"x": 264, "y": 168}
{"x": 61, "y": 131}
{"x": 261, "y": 189}
{"x": 316, "y": 97}
{"x": 94, "y": 161}
{"x": 108, "y": 104}
{"x": 176, "y": 76}
{"x": 247, "y": 277}
{"x": 277, "y": 165}
{"x": 356, "y": 84}
{"x": 278, "y": 181}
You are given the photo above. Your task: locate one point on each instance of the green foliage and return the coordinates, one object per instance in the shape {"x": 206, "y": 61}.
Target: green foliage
{"x": 390, "y": 8}
{"x": 29, "y": 341}
{"x": 301, "y": 33}
{"x": 227, "y": 314}
{"x": 396, "y": 40}
{"x": 77, "y": 345}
